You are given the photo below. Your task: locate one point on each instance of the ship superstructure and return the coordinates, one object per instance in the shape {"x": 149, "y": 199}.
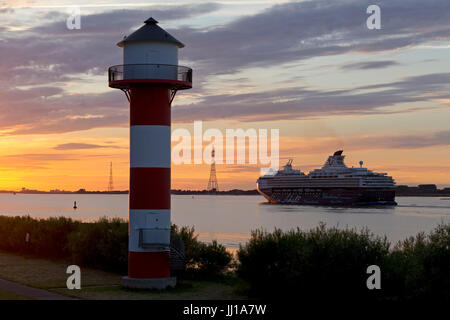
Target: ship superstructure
{"x": 333, "y": 184}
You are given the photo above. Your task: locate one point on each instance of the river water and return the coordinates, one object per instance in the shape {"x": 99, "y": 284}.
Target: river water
{"x": 229, "y": 219}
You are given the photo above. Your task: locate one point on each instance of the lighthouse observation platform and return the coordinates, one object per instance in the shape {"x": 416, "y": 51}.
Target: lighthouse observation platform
{"x": 129, "y": 75}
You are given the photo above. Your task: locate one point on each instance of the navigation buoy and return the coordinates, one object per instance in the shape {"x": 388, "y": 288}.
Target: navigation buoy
{"x": 75, "y": 205}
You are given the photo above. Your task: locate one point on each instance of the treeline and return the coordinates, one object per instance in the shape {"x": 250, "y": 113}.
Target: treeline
{"x": 323, "y": 263}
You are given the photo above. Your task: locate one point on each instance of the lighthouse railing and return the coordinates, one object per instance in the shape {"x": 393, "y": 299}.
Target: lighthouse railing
{"x": 149, "y": 71}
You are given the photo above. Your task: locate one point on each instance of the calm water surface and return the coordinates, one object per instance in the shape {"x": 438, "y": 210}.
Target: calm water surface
{"x": 229, "y": 219}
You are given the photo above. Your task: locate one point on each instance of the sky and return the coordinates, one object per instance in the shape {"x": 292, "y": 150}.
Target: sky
{"x": 311, "y": 69}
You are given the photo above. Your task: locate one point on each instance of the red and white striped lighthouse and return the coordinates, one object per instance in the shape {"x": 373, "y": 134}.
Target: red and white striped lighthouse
{"x": 150, "y": 77}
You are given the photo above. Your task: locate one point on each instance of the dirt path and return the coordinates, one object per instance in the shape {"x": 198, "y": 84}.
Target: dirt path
{"x": 38, "y": 294}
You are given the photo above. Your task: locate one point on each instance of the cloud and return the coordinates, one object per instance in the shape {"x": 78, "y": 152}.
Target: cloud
{"x": 40, "y": 157}
{"x": 370, "y": 65}
{"x": 282, "y": 33}
{"x": 416, "y": 141}
{"x": 57, "y": 114}
{"x": 304, "y": 103}
{"x": 30, "y": 94}
{"x": 441, "y": 138}
{"x": 65, "y": 56}
{"x": 33, "y": 114}
{"x": 78, "y": 146}
{"x": 6, "y": 10}
{"x": 300, "y": 30}
{"x": 411, "y": 141}
{"x": 50, "y": 55}
{"x": 122, "y": 21}
{"x": 65, "y": 53}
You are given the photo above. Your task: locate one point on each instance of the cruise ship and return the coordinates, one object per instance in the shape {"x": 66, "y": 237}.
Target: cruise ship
{"x": 333, "y": 184}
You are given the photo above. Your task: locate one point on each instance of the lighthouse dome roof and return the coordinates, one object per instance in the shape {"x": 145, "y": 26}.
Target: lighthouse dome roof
{"x": 150, "y": 32}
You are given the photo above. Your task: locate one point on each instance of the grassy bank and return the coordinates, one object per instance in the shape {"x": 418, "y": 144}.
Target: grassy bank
{"x": 102, "y": 244}
{"x": 323, "y": 263}
{"x": 98, "y": 285}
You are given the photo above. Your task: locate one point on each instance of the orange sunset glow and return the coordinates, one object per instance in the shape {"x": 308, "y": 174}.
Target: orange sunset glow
{"x": 382, "y": 101}
{"x": 44, "y": 163}
{"x": 199, "y": 151}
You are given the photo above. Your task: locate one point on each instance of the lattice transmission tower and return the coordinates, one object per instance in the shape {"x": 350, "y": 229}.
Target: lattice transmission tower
{"x": 110, "y": 184}
{"x": 213, "y": 186}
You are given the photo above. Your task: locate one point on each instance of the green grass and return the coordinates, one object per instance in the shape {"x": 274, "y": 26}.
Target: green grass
{"x": 186, "y": 290}
{"x": 46, "y": 274}
{"x": 100, "y": 285}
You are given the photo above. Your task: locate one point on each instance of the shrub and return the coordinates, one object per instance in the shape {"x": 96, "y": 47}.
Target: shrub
{"x": 103, "y": 244}
{"x": 51, "y": 237}
{"x": 191, "y": 243}
{"x": 315, "y": 264}
{"x": 48, "y": 237}
{"x": 418, "y": 267}
{"x": 213, "y": 258}
{"x": 201, "y": 258}
{"x": 13, "y": 231}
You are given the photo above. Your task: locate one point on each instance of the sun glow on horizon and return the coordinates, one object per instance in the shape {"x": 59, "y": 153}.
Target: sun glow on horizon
{"x": 383, "y": 99}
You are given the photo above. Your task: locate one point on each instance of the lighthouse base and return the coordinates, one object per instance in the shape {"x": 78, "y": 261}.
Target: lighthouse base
{"x": 142, "y": 283}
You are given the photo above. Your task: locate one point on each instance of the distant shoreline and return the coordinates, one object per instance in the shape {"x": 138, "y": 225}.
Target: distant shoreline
{"x": 178, "y": 192}
{"x": 64, "y": 192}
{"x": 401, "y": 191}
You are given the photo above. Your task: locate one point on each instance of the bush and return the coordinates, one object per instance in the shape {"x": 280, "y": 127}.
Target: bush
{"x": 103, "y": 244}
{"x": 51, "y": 237}
{"x": 48, "y": 237}
{"x": 201, "y": 258}
{"x": 315, "y": 264}
{"x": 13, "y": 231}
{"x": 191, "y": 243}
{"x": 418, "y": 267}
{"x": 212, "y": 258}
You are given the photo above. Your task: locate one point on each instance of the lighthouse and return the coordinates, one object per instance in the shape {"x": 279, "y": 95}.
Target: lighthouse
{"x": 150, "y": 77}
